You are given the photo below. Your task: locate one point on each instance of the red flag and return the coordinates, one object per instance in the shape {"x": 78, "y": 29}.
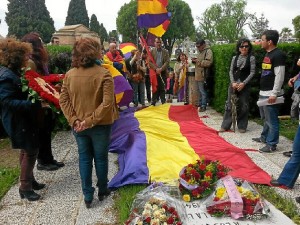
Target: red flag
{"x": 152, "y": 73}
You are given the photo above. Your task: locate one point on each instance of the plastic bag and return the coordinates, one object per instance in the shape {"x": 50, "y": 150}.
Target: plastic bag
{"x": 158, "y": 205}
{"x": 236, "y": 198}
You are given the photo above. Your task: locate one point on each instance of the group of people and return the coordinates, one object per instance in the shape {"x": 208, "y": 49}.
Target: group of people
{"x": 91, "y": 121}
{"x": 28, "y": 124}
{"x": 241, "y": 72}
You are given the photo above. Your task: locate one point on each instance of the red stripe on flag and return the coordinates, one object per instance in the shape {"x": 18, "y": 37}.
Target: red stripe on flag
{"x": 206, "y": 142}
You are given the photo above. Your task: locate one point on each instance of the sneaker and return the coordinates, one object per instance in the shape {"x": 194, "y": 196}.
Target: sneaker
{"x": 259, "y": 140}
{"x": 267, "y": 149}
{"x": 288, "y": 154}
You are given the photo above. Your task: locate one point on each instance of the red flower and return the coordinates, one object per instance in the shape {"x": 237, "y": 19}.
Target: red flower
{"x": 202, "y": 167}
{"x": 208, "y": 174}
{"x": 148, "y": 220}
{"x": 170, "y": 220}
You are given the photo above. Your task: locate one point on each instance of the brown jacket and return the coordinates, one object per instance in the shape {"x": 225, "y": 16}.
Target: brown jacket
{"x": 88, "y": 94}
{"x": 165, "y": 59}
{"x": 204, "y": 60}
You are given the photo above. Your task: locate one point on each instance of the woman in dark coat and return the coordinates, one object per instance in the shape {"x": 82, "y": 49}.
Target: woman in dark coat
{"x": 19, "y": 114}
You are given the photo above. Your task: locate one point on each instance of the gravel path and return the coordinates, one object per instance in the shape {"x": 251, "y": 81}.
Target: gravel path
{"x": 62, "y": 202}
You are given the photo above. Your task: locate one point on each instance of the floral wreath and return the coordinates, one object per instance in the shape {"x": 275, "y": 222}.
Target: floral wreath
{"x": 253, "y": 206}
{"x": 197, "y": 180}
{"x": 42, "y": 87}
{"x": 155, "y": 212}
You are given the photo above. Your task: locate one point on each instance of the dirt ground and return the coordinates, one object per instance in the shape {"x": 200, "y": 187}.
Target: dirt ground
{"x": 9, "y": 157}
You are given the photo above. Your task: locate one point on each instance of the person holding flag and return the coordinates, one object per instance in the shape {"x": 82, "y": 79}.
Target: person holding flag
{"x": 162, "y": 60}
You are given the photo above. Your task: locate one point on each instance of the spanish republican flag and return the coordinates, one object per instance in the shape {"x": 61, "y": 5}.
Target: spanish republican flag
{"x": 155, "y": 143}
{"x": 126, "y": 49}
{"x": 151, "y": 13}
{"x": 158, "y": 31}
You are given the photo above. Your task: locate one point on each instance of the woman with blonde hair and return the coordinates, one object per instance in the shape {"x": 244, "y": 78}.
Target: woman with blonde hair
{"x": 18, "y": 113}
{"x": 88, "y": 102}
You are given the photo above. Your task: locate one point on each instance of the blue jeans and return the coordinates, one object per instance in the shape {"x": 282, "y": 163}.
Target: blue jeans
{"x": 93, "y": 145}
{"x": 203, "y": 94}
{"x": 270, "y": 131}
{"x": 291, "y": 169}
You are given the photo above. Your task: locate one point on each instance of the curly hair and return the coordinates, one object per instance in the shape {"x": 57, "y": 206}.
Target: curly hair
{"x": 85, "y": 52}
{"x": 39, "y": 55}
{"x": 14, "y": 53}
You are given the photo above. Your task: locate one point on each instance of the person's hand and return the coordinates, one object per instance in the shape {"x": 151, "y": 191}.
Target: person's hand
{"x": 234, "y": 86}
{"x": 272, "y": 99}
{"x": 240, "y": 86}
{"x": 292, "y": 81}
{"x": 158, "y": 70}
{"x": 79, "y": 126}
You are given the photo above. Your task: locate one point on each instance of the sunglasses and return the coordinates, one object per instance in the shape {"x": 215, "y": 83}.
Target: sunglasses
{"x": 244, "y": 46}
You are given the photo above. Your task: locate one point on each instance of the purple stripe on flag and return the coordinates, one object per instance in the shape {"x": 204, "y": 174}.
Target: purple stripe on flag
{"x": 152, "y": 20}
{"x": 130, "y": 143}
{"x": 122, "y": 85}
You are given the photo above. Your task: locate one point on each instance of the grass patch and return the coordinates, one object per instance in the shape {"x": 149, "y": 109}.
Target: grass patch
{"x": 8, "y": 177}
{"x": 124, "y": 199}
{"x": 285, "y": 205}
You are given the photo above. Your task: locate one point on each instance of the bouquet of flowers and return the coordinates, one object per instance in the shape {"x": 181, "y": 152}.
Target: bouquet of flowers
{"x": 156, "y": 206}
{"x": 236, "y": 198}
{"x": 197, "y": 180}
{"x": 42, "y": 87}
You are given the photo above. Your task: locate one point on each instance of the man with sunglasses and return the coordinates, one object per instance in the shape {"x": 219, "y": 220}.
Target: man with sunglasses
{"x": 162, "y": 59}
{"x": 203, "y": 61}
{"x": 271, "y": 81}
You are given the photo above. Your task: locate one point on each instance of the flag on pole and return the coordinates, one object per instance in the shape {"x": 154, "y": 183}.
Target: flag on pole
{"x": 157, "y": 32}
{"x": 151, "y": 13}
{"x": 152, "y": 73}
{"x": 126, "y": 49}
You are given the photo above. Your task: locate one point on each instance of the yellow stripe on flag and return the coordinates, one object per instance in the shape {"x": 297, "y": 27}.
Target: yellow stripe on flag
{"x": 150, "y": 7}
{"x": 164, "y": 146}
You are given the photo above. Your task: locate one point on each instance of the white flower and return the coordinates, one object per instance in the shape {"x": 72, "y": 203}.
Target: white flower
{"x": 148, "y": 206}
{"x": 155, "y": 222}
{"x": 154, "y": 207}
{"x": 156, "y": 214}
{"x": 146, "y": 213}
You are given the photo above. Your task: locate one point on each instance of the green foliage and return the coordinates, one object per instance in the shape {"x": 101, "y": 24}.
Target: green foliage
{"x": 284, "y": 205}
{"x": 124, "y": 200}
{"x": 258, "y": 26}
{"x": 33, "y": 15}
{"x": 222, "y": 59}
{"x": 59, "y": 58}
{"x": 103, "y": 33}
{"x": 296, "y": 24}
{"x": 8, "y": 177}
{"x": 182, "y": 23}
{"x": 225, "y": 21}
{"x": 127, "y": 22}
{"x": 77, "y": 13}
{"x": 94, "y": 24}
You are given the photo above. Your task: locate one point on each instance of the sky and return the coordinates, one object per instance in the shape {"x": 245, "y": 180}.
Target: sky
{"x": 279, "y": 13}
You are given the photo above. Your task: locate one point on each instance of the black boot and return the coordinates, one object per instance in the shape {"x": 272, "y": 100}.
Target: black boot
{"x": 37, "y": 186}
{"x": 102, "y": 195}
{"x": 30, "y": 195}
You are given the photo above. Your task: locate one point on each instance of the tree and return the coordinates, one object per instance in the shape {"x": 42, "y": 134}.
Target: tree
{"x": 286, "y": 33}
{"x": 296, "y": 24}
{"x": 114, "y": 35}
{"x": 103, "y": 33}
{"x": 77, "y": 13}
{"x": 94, "y": 24}
{"x": 127, "y": 22}
{"x": 225, "y": 21}
{"x": 33, "y": 16}
{"x": 259, "y": 25}
{"x": 181, "y": 25}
